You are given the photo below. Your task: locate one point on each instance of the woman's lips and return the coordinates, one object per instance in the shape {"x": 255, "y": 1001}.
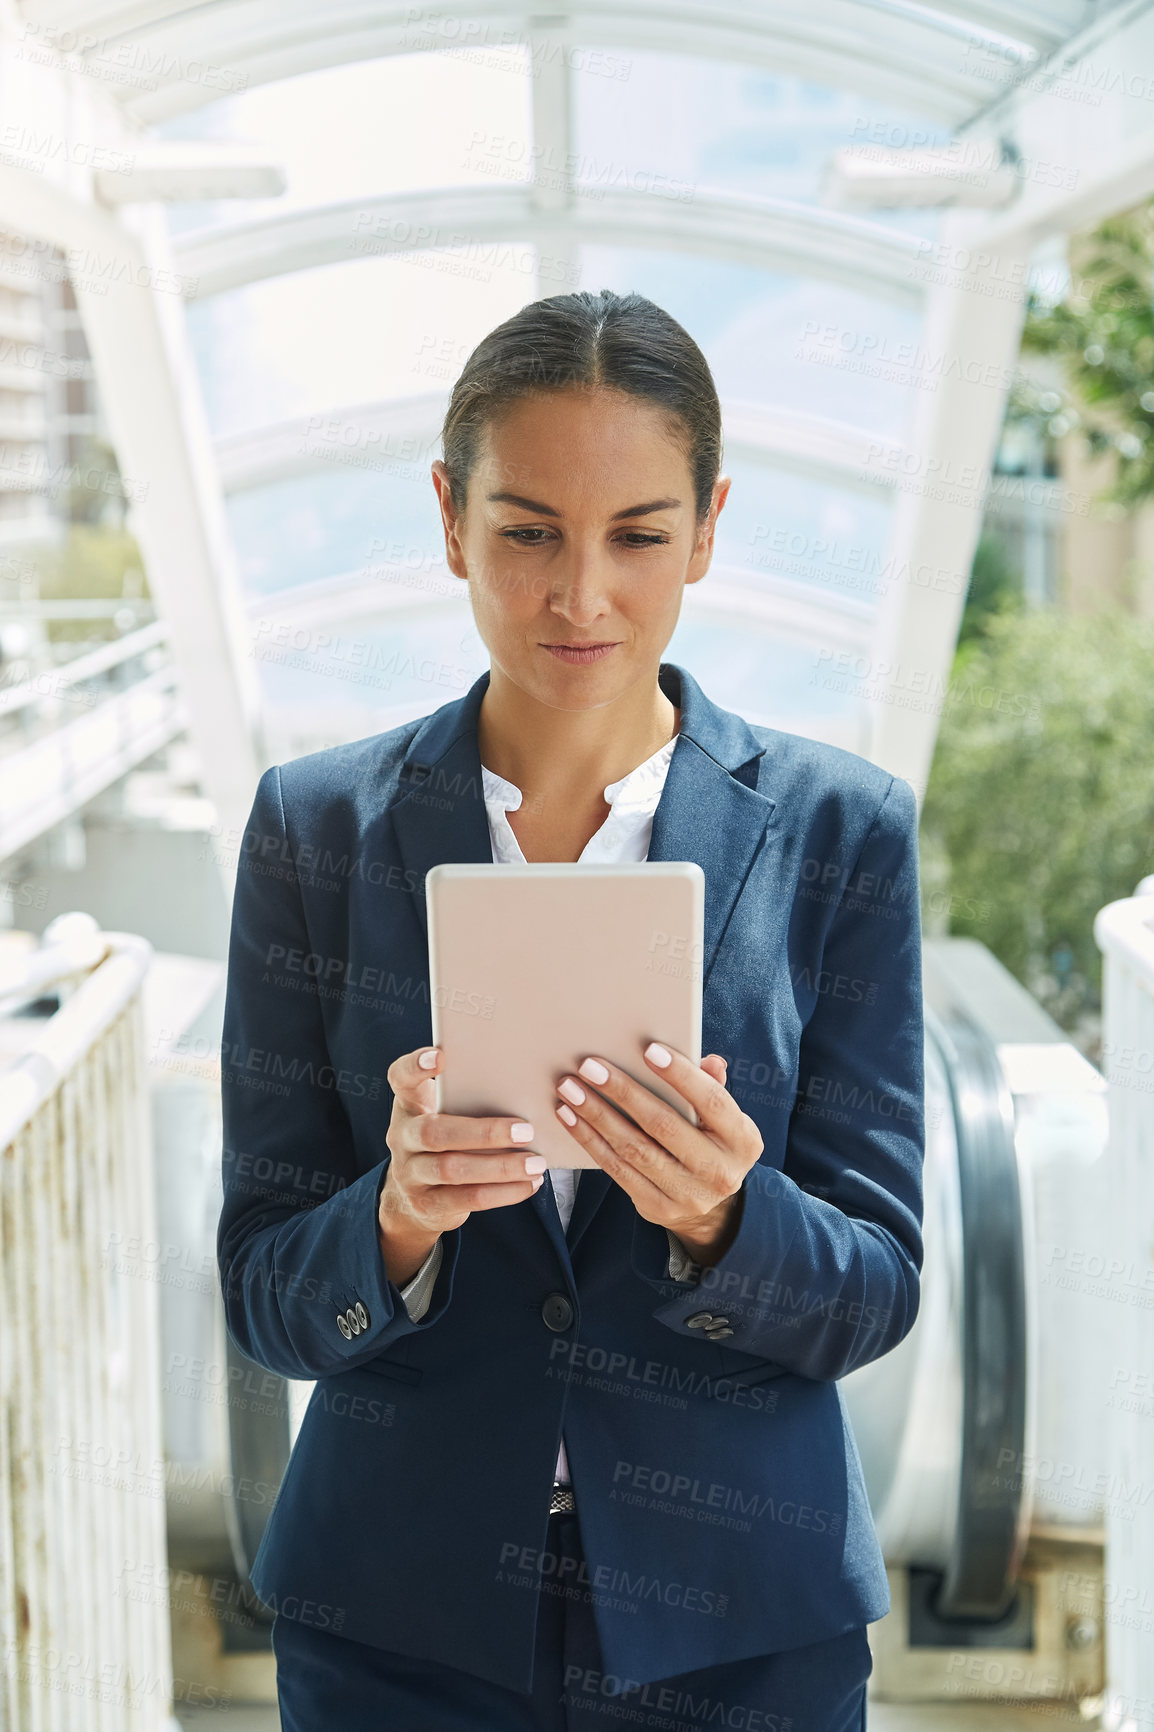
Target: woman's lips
{"x": 579, "y": 654}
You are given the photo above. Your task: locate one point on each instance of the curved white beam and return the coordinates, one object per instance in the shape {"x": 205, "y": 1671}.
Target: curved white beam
{"x": 404, "y": 433}
{"x": 368, "y": 435}
{"x": 1041, "y": 23}
{"x": 897, "y": 53}
{"x": 770, "y": 234}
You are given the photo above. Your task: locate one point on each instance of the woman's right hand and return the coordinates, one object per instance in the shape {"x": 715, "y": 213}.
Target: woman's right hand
{"x": 444, "y": 1166}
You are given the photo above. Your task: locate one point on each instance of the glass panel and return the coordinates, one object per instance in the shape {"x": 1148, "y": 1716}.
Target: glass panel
{"x": 369, "y": 667}
{"x": 784, "y": 340}
{"x": 352, "y": 333}
{"x": 676, "y": 127}
{"x": 809, "y": 531}
{"x": 317, "y": 526}
{"x": 383, "y": 126}
{"x": 767, "y": 679}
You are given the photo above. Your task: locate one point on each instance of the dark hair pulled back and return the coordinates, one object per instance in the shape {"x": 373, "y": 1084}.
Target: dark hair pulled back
{"x": 618, "y": 342}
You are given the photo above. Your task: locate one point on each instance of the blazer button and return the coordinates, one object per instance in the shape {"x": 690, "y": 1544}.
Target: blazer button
{"x": 362, "y": 1315}
{"x": 717, "y": 1334}
{"x": 351, "y": 1320}
{"x": 343, "y": 1326}
{"x": 699, "y": 1320}
{"x": 557, "y": 1313}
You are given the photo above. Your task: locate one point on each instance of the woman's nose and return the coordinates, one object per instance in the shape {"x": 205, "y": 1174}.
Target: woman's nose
{"x": 581, "y": 590}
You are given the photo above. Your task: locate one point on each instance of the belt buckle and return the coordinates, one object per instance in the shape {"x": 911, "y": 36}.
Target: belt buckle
{"x": 562, "y": 1501}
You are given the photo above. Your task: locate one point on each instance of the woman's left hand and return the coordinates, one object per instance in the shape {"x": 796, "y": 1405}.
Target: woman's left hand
{"x": 685, "y": 1177}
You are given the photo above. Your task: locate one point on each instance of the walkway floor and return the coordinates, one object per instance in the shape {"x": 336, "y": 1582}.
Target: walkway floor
{"x": 883, "y": 1717}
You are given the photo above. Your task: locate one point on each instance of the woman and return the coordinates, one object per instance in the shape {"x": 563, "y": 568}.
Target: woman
{"x": 575, "y": 1449}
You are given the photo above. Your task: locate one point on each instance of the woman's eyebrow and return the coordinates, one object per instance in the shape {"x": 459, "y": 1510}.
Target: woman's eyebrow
{"x": 644, "y": 510}
{"x": 525, "y": 504}
{"x": 548, "y": 511}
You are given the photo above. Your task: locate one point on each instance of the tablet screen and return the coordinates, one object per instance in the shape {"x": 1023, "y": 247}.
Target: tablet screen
{"x": 534, "y": 966}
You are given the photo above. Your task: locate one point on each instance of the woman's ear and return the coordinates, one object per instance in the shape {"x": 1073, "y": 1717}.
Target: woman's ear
{"x": 703, "y": 547}
{"x": 450, "y": 520}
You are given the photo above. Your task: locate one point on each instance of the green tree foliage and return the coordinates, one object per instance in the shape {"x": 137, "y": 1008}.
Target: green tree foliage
{"x": 92, "y": 562}
{"x": 995, "y": 587}
{"x": 1041, "y": 795}
{"x": 1104, "y": 334}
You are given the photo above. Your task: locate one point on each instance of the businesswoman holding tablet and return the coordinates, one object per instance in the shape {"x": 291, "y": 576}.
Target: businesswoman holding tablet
{"x": 576, "y": 1451}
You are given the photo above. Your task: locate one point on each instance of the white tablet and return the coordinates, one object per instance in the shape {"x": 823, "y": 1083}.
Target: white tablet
{"x": 535, "y": 966}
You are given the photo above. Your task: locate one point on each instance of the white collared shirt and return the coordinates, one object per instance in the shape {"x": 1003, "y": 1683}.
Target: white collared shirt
{"x": 624, "y": 836}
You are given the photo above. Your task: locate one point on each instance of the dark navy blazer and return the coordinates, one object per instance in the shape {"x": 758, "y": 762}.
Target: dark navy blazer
{"x": 722, "y": 1506}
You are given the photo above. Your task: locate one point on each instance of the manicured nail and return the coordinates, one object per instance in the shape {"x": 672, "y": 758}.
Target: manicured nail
{"x": 571, "y": 1090}
{"x": 567, "y": 1115}
{"x": 428, "y": 1059}
{"x": 521, "y": 1132}
{"x": 658, "y": 1055}
{"x": 593, "y": 1071}
{"x": 537, "y": 1183}
{"x": 536, "y": 1163}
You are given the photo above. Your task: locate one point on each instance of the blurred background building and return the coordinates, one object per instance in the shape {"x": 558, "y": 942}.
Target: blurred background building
{"x": 245, "y": 250}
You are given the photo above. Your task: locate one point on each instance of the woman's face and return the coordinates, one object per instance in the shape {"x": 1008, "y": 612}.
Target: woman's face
{"x": 579, "y": 535}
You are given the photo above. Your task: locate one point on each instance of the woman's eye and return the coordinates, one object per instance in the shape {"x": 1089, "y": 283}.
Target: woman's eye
{"x": 527, "y": 536}
{"x": 532, "y": 535}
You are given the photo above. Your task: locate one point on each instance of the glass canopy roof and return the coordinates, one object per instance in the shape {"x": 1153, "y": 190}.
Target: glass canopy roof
{"x": 442, "y": 170}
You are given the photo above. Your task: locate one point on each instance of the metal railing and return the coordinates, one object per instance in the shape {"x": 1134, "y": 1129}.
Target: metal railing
{"x": 70, "y": 731}
{"x": 83, "y": 1602}
{"x": 1125, "y": 934}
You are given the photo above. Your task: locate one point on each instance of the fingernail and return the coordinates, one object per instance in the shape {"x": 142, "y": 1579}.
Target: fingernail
{"x": 428, "y": 1059}
{"x": 567, "y": 1115}
{"x": 658, "y": 1055}
{"x": 536, "y": 1163}
{"x": 521, "y": 1132}
{"x": 571, "y": 1090}
{"x": 537, "y": 1183}
{"x": 593, "y": 1071}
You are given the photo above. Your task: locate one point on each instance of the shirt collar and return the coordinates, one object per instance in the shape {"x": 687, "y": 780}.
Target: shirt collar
{"x": 636, "y": 792}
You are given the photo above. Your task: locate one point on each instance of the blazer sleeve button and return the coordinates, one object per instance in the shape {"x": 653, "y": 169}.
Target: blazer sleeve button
{"x": 557, "y": 1313}
{"x": 699, "y": 1320}
{"x": 362, "y": 1315}
{"x": 343, "y": 1326}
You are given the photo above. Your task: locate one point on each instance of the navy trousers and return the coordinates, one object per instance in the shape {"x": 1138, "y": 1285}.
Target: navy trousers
{"x": 325, "y": 1681}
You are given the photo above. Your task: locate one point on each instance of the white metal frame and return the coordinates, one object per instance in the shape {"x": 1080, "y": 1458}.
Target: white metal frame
{"x": 134, "y": 327}
{"x": 767, "y": 234}
{"x": 401, "y": 430}
{"x": 911, "y": 56}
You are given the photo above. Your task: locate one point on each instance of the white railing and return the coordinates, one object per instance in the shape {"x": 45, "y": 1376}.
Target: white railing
{"x": 83, "y": 1611}
{"x": 69, "y": 732}
{"x": 1125, "y": 935}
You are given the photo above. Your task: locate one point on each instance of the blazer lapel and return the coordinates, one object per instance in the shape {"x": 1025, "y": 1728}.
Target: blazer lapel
{"x": 706, "y": 814}
{"x": 439, "y": 812}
